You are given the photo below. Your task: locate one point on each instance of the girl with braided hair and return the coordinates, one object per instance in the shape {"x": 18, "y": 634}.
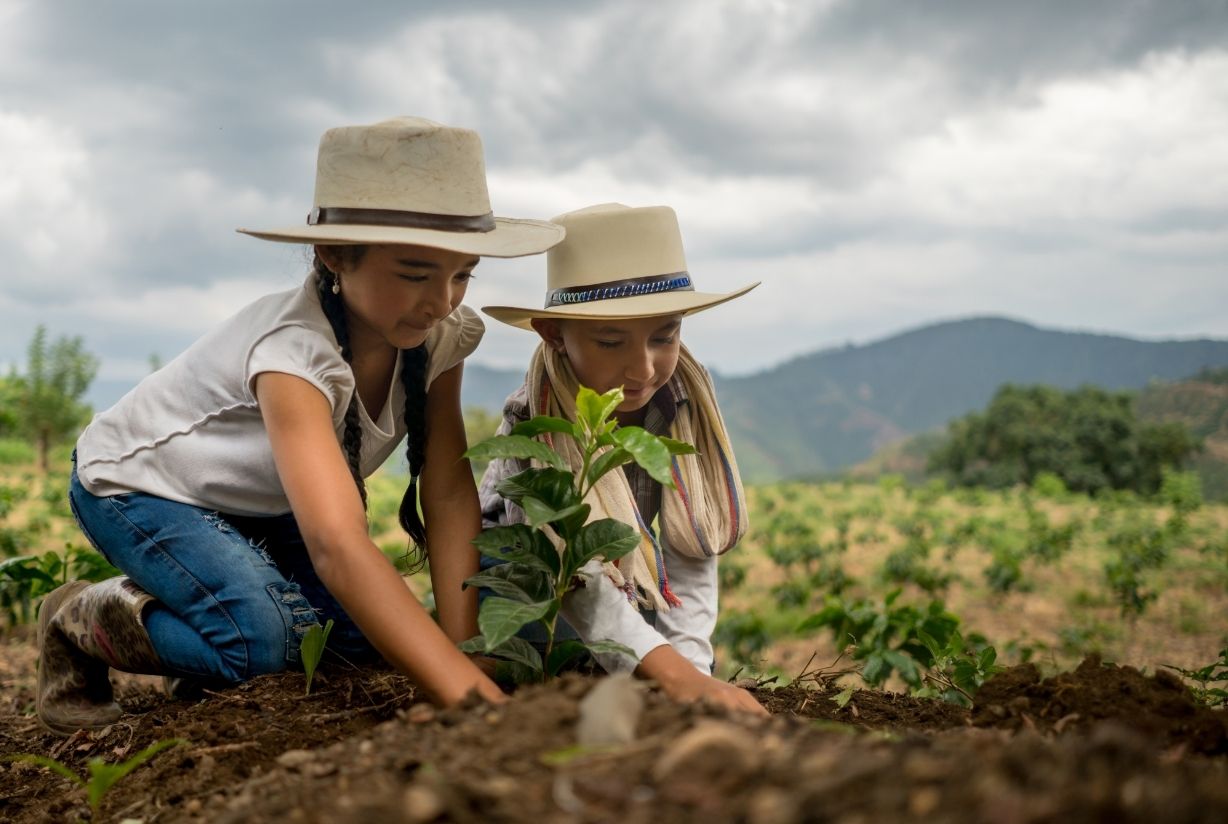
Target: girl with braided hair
{"x": 228, "y": 486}
{"x": 617, "y": 291}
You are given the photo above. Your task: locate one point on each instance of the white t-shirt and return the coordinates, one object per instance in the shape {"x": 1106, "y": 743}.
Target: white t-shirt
{"x": 192, "y": 431}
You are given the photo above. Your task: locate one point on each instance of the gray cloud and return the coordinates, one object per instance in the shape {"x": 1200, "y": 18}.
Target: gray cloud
{"x": 879, "y": 163}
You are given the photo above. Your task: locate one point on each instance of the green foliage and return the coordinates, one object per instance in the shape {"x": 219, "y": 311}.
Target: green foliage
{"x": 958, "y": 669}
{"x": 529, "y": 586}
{"x": 1139, "y": 547}
{"x": 14, "y": 451}
{"x": 743, "y": 634}
{"x": 887, "y": 638}
{"x": 311, "y": 649}
{"x": 1214, "y": 673}
{"x": 1088, "y": 438}
{"x": 26, "y": 579}
{"x": 102, "y": 774}
{"x": 48, "y": 403}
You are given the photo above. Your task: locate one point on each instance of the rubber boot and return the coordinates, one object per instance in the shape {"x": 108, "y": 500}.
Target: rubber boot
{"x": 84, "y": 630}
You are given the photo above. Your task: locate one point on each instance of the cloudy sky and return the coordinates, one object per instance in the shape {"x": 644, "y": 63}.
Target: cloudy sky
{"x": 878, "y": 165}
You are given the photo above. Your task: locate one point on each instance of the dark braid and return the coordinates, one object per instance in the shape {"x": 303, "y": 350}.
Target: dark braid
{"x": 413, "y": 380}
{"x": 334, "y": 310}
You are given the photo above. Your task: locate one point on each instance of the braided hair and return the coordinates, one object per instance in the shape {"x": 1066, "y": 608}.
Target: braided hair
{"x": 413, "y": 381}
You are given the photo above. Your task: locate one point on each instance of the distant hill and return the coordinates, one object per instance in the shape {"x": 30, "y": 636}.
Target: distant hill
{"x": 819, "y": 413}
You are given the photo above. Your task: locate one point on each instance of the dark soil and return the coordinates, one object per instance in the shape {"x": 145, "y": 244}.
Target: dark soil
{"x": 1102, "y": 743}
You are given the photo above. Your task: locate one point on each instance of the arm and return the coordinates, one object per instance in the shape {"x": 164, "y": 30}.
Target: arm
{"x": 600, "y": 611}
{"x": 450, "y": 509}
{"x": 330, "y": 516}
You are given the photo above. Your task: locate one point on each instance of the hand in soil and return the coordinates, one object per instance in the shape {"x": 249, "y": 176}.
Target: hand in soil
{"x": 682, "y": 682}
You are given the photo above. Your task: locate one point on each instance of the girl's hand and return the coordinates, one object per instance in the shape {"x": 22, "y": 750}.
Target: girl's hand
{"x": 682, "y": 682}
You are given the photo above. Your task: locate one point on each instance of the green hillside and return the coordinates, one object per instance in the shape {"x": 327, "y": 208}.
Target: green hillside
{"x": 822, "y": 412}
{"x": 1201, "y": 403}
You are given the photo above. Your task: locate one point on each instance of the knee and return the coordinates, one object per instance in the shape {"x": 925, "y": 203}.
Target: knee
{"x": 272, "y": 635}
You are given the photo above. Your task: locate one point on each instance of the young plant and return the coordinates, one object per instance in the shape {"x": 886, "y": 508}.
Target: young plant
{"x": 1214, "y": 673}
{"x": 102, "y": 775}
{"x": 958, "y": 668}
{"x": 311, "y": 649}
{"x": 543, "y": 557}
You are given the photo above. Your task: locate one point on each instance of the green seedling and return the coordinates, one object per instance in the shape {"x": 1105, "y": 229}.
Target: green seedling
{"x": 543, "y": 557}
{"x": 102, "y": 776}
{"x": 1214, "y": 673}
{"x": 311, "y": 649}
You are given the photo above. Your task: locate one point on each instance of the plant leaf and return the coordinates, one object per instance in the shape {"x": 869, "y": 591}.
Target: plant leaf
{"x": 553, "y": 487}
{"x": 677, "y": 447}
{"x": 593, "y": 409}
{"x": 519, "y": 651}
{"x": 543, "y": 423}
{"x": 499, "y": 585}
{"x": 520, "y": 543}
{"x": 648, "y": 452}
{"x": 843, "y": 697}
{"x": 538, "y": 514}
{"x": 606, "y": 461}
{"x": 501, "y": 618}
{"x": 535, "y": 584}
{"x": 311, "y": 649}
{"x": 609, "y": 647}
{"x": 563, "y": 652}
{"x": 607, "y": 537}
{"x": 43, "y": 761}
{"x": 515, "y": 446}
{"x": 103, "y": 775}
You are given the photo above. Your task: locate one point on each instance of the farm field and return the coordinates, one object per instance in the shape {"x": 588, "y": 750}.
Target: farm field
{"x": 1043, "y": 577}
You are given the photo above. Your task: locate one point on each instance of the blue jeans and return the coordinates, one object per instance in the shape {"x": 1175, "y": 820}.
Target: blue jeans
{"x": 235, "y": 594}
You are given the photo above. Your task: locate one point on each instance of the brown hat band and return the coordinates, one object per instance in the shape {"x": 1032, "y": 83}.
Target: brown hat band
{"x": 395, "y": 217}
{"x": 632, "y": 287}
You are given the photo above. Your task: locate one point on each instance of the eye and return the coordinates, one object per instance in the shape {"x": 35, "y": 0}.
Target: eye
{"x": 465, "y": 277}
{"x": 663, "y": 341}
{"x": 609, "y": 344}
{"x": 414, "y": 278}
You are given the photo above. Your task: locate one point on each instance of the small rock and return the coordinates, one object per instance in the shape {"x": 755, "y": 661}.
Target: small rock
{"x": 422, "y": 714}
{"x": 294, "y": 759}
{"x": 713, "y": 751}
{"x": 193, "y": 805}
{"x": 923, "y": 801}
{"x": 610, "y": 713}
{"x": 366, "y": 747}
{"x": 421, "y": 804}
{"x": 771, "y": 806}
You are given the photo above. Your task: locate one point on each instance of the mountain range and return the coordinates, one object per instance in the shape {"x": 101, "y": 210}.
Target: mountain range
{"x": 820, "y": 413}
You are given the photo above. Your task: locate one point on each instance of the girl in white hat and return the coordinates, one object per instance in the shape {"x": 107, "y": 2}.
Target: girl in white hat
{"x": 228, "y": 486}
{"x": 617, "y": 290}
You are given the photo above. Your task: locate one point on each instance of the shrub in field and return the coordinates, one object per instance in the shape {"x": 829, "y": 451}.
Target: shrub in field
{"x": 1214, "y": 673}
{"x": 887, "y": 637}
{"x": 102, "y": 775}
{"x": 1139, "y": 547}
{"x": 958, "y": 668}
{"x": 543, "y": 557}
{"x": 26, "y": 579}
{"x": 743, "y": 634}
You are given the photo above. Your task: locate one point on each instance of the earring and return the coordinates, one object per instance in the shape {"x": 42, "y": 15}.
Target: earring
{"x": 336, "y": 285}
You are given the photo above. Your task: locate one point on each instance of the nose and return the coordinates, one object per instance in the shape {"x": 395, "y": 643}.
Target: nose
{"x": 437, "y": 302}
{"x": 639, "y": 367}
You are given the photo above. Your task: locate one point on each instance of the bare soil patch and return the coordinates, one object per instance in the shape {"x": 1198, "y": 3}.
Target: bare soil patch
{"x": 1100, "y": 743}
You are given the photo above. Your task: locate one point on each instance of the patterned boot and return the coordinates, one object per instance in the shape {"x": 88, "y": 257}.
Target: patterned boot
{"x": 83, "y": 630}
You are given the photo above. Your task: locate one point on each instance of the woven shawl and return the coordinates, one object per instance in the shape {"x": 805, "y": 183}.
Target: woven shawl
{"x": 703, "y": 515}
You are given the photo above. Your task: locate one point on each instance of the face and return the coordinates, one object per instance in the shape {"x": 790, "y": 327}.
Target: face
{"x": 396, "y": 293}
{"x": 639, "y": 354}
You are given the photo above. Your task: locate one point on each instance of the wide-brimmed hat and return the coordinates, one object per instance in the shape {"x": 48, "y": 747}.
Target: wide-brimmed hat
{"x": 410, "y": 180}
{"x": 617, "y": 262}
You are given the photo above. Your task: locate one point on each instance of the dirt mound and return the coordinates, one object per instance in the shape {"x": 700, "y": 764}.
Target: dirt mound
{"x": 363, "y": 747}
{"x": 1159, "y": 707}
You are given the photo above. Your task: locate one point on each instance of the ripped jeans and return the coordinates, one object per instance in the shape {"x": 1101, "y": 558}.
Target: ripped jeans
{"x": 235, "y": 594}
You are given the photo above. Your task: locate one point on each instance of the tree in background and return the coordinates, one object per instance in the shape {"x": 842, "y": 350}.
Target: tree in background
{"x": 49, "y": 408}
{"x": 1088, "y": 437}
{"x": 10, "y": 397}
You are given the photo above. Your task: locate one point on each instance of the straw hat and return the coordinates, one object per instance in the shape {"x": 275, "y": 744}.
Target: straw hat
{"x": 617, "y": 262}
{"x": 410, "y": 180}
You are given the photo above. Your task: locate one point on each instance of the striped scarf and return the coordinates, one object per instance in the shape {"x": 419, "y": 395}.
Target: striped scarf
{"x": 705, "y": 513}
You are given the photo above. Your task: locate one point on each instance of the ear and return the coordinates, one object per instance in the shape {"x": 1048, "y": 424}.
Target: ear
{"x": 550, "y": 332}
{"x": 328, "y": 254}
